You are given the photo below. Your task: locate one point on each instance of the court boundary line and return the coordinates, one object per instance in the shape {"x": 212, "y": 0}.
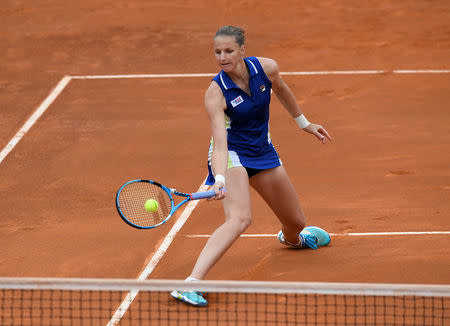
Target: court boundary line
{"x": 304, "y": 73}
{"x": 355, "y": 234}
{"x": 35, "y": 116}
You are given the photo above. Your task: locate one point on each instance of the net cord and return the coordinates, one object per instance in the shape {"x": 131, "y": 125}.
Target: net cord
{"x": 364, "y": 289}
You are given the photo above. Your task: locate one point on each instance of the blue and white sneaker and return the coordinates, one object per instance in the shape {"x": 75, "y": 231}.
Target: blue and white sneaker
{"x": 192, "y": 297}
{"x": 307, "y": 240}
{"x": 323, "y": 238}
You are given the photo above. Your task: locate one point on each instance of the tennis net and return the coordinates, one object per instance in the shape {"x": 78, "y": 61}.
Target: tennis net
{"x": 53, "y": 301}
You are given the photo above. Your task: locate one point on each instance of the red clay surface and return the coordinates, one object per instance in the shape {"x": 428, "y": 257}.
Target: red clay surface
{"x": 388, "y": 168}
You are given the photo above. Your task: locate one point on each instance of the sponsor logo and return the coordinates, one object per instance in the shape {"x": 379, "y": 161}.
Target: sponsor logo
{"x": 238, "y": 100}
{"x": 262, "y": 88}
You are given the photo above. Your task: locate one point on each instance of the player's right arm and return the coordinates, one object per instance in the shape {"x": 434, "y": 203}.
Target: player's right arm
{"x": 215, "y": 106}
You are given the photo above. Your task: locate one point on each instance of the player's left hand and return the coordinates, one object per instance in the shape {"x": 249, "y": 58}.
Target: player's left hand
{"x": 318, "y": 131}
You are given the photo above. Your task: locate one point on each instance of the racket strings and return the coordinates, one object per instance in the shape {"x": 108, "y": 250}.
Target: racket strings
{"x": 132, "y": 203}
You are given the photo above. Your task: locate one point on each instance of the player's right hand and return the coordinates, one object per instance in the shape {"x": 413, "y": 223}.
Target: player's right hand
{"x": 220, "y": 191}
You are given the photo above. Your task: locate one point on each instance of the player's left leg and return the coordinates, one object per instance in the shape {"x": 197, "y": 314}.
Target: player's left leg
{"x": 276, "y": 188}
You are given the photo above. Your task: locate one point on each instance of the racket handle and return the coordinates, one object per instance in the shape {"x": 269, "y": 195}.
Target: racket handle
{"x": 203, "y": 194}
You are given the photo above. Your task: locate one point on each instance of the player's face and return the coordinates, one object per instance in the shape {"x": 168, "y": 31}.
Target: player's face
{"x": 228, "y": 52}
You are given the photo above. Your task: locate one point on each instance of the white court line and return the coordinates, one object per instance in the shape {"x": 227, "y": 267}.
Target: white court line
{"x": 144, "y": 76}
{"x": 156, "y": 257}
{"x": 423, "y": 71}
{"x": 336, "y": 72}
{"x": 34, "y": 117}
{"x": 367, "y": 72}
{"x": 338, "y": 234}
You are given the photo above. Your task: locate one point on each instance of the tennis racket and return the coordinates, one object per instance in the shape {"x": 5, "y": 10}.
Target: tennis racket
{"x": 131, "y": 198}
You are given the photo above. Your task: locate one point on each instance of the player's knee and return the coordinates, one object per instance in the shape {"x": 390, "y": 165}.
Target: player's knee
{"x": 296, "y": 225}
{"x": 299, "y": 220}
{"x": 293, "y": 220}
{"x": 243, "y": 222}
{"x": 301, "y": 224}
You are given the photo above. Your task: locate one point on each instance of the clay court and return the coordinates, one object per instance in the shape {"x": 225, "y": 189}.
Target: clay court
{"x": 122, "y": 104}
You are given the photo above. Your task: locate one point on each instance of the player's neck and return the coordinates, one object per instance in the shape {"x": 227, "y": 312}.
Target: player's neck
{"x": 240, "y": 74}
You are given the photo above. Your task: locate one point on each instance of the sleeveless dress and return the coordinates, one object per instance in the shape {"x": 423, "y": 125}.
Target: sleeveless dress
{"x": 247, "y": 121}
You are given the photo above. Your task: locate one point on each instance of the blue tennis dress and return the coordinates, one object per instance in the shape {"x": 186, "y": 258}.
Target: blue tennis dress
{"x": 247, "y": 121}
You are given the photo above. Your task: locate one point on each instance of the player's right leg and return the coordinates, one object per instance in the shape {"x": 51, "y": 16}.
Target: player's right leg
{"x": 237, "y": 208}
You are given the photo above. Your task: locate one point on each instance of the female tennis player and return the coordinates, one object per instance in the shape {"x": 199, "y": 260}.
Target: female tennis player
{"x": 242, "y": 154}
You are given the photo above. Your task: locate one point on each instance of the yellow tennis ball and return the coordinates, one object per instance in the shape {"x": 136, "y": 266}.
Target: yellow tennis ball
{"x": 151, "y": 205}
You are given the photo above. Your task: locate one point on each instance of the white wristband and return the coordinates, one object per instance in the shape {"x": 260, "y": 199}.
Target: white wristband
{"x": 220, "y": 178}
{"x": 302, "y": 121}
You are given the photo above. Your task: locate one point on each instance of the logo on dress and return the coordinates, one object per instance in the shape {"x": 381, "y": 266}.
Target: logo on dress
{"x": 238, "y": 100}
{"x": 262, "y": 88}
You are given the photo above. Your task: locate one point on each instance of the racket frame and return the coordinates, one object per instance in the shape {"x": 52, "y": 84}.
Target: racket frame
{"x": 169, "y": 191}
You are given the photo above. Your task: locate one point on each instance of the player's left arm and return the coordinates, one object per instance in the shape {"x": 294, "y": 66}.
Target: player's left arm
{"x": 288, "y": 100}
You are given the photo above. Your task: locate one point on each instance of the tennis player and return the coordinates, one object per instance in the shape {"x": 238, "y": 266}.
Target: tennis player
{"x": 242, "y": 154}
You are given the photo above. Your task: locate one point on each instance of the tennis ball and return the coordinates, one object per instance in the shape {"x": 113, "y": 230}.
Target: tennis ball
{"x": 151, "y": 205}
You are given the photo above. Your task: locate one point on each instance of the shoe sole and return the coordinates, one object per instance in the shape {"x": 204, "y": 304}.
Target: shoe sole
{"x": 323, "y": 238}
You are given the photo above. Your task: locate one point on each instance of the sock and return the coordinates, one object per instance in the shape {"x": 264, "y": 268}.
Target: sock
{"x": 191, "y": 279}
{"x": 300, "y": 241}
